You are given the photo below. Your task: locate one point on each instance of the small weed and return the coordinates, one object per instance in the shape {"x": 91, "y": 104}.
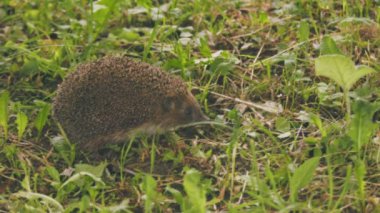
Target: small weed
{"x": 342, "y": 70}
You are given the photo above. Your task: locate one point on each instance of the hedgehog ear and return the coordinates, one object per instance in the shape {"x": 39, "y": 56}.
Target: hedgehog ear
{"x": 169, "y": 104}
{"x": 195, "y": 91}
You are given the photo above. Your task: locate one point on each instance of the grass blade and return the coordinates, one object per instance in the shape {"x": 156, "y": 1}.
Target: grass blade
{"x": 22, "y": 122}
{"x": 4, "y": 100}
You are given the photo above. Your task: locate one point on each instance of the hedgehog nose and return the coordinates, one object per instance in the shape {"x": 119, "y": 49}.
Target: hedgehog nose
{"x": 203, "y": 117}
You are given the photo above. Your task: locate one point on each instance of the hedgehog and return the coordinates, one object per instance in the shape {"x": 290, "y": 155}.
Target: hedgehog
{"x": 114, "y": 98}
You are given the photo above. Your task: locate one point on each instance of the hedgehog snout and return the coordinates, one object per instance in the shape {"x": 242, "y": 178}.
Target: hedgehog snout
{"x": 201, "y": 117}
{"x": 191, "y": 112}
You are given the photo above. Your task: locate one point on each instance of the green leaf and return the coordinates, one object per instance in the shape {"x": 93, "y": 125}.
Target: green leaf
{"x": 53, "y": 173}
{"x": 328, "y": 46}
{"x": 29, "y": 68}
{"x": 204, "y": 48}
{"x": 100, "y": 12}
{"x": 316, "y": 120}
{"x": 4, "y": 101}
{"x": 303, "y": 31}
{"x": 303, "y": 176}
{"x": 79, "y": 178}
{"x": 341, "y": 69}
{"x": 222, "y": 66}
{"x": 282, "y": 124}
{"x": 42, "y": 117}
{"x": 195, "y": 192}
{"x": 97, "y": 171}
{"x": 360, "y": 171}
{"x": 22, "y": 122}
{"x": 129, "y": 35}
{"x": 149, "y": 186}
{"x": 362, "y": 128}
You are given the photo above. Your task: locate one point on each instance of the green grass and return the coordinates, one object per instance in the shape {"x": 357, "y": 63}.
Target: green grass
{"x": 287, "y": 140}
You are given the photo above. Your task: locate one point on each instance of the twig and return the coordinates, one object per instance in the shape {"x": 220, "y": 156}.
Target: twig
{"x": 255, "y": 60}
{"x": 248, "y": 103}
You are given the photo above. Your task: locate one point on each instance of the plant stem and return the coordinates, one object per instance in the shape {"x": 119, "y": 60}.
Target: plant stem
{"x": 348, "y": 105}
{"x": 153, "y": 154}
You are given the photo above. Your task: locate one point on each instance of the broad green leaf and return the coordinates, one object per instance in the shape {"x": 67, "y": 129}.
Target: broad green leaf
{"x": 303, "y": 31}
{"x": 29, "y": 68}
{"x": 100, "y": 12}
{"x": 302, "y": 176}
{"x": 78, "y": 178}
{"x": 129, "y": 35}
{"x": 97, "y": 171}
{"x": 222, "y": 66}
{"x": 53, "y": 173}
{"x": 149, "y": 187}
{"x": 362, "y": 128}
{"x": 195, "y": 192}
{"x": 340, "y": 69}
{"x": 328, "y": 46}
{"x": 316, "y": 120}
{"x": 4, "y": 100}
{"x": 42, "y": 117}
{"x": 11, "y": 151}
{"x": 195, "y": 199}
{"x": 22, "y": 122}
{"x": 282, "y": 124}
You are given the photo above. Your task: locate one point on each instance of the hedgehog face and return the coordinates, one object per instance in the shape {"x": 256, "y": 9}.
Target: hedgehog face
{"x": 178, "y": 111}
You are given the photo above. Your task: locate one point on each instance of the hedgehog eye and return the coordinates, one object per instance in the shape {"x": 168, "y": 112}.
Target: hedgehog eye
{"x": 188, "y": 111}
